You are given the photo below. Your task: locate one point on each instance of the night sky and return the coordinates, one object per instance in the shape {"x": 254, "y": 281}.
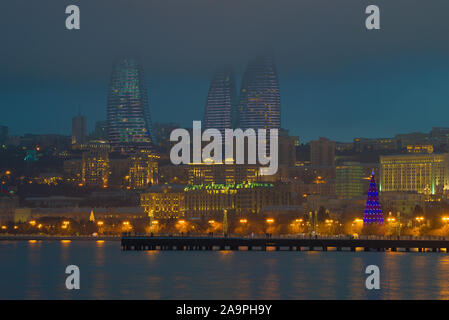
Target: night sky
{"x": 336, "y": 78}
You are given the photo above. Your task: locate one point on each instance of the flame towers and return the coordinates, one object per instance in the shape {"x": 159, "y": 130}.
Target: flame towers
{"x": 129, "y": 121}
{"x": 260, "y": 102}
{"x": 220, "y": 106}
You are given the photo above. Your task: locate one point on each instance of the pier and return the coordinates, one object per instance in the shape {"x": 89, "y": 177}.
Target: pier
{"x": 203, "y": 243}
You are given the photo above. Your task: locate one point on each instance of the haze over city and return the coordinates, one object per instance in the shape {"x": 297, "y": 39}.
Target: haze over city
{"x": 336, "y": 79}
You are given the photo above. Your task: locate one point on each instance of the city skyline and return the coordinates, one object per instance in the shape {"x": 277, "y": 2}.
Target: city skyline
{"x": 187, "y": 123}
{"x": 247, "y": 150}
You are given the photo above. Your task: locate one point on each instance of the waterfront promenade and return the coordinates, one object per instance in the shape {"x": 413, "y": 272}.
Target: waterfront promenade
{"x": 285, "y": 243}
{"x": 56, "y": 238}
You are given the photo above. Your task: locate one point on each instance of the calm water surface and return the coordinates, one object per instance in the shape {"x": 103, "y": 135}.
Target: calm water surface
{"x": 36, "y": 270}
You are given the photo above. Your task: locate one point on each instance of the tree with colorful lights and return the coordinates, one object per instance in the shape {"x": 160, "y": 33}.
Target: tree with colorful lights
{"x": 373, "y": 212}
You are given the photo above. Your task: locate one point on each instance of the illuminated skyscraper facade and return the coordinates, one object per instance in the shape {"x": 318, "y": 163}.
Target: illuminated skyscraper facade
{"x": 220, "y": 111}
{"x": 260, "y": 102}
{"x": 129, "y": 121}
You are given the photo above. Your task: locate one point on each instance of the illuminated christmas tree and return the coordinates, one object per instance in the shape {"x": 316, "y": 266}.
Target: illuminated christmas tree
{"x": 373, "y": 212}
{"x": 92, "y": 217}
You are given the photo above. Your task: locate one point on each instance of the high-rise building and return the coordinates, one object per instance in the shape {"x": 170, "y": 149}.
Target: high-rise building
{"x": 350, "y": 180}
{"x": 322, "y": 152}
{"x": 220, "y": 111}
{"x": 129, "y": 121}
{"x": 260, "y": 101}
{"x": 101, "y": 130}
{"x": 78, "y": 129}
{"x": 422, "y": 173}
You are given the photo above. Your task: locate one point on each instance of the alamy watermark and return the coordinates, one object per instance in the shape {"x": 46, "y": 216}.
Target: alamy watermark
{"x": 72, "y": 282}
{"x": 212, "y": 153}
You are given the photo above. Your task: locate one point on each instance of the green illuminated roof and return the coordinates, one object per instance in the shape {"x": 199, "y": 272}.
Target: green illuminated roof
{"x": 230, "y": 186}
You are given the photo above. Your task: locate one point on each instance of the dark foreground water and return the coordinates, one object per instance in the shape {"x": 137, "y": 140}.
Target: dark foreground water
{"x": 36, "y": 270}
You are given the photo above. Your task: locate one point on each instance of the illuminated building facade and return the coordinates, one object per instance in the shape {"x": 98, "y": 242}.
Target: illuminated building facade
{"x": 222, "y": 173}
{"x": 241, "y": 199}
{"x": 143, "y": 170}
{"x": 349, "y": 182}
{"x": 220, "y": 108}
{"x": 420, "y": 148}
{"x": 128, "y": 115}
{"x": 260, "y": 102}
{"x": 72, "y": 171}
{"x": 93, "y": 145}
{"x": 95, "y": 168}
{"x": 164, "y": 201}
{"x": 422, "y": 173}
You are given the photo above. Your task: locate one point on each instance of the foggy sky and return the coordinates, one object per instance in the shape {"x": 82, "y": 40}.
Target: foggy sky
{"x": 336, "y": 78}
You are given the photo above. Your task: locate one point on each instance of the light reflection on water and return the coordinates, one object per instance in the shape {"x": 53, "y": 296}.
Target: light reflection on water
{"x": 36, "y": 270}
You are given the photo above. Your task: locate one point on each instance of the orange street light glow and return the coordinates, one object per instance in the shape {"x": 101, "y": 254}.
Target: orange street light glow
{"x": 270, "y": 220}
{"x": 243, "y": 220}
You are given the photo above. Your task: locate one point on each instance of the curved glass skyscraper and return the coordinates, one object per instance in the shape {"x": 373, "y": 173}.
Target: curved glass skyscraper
{"x": 221, "y": 105}
{"x": 129, "y": 121}
{"x": 260, "y": 102}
